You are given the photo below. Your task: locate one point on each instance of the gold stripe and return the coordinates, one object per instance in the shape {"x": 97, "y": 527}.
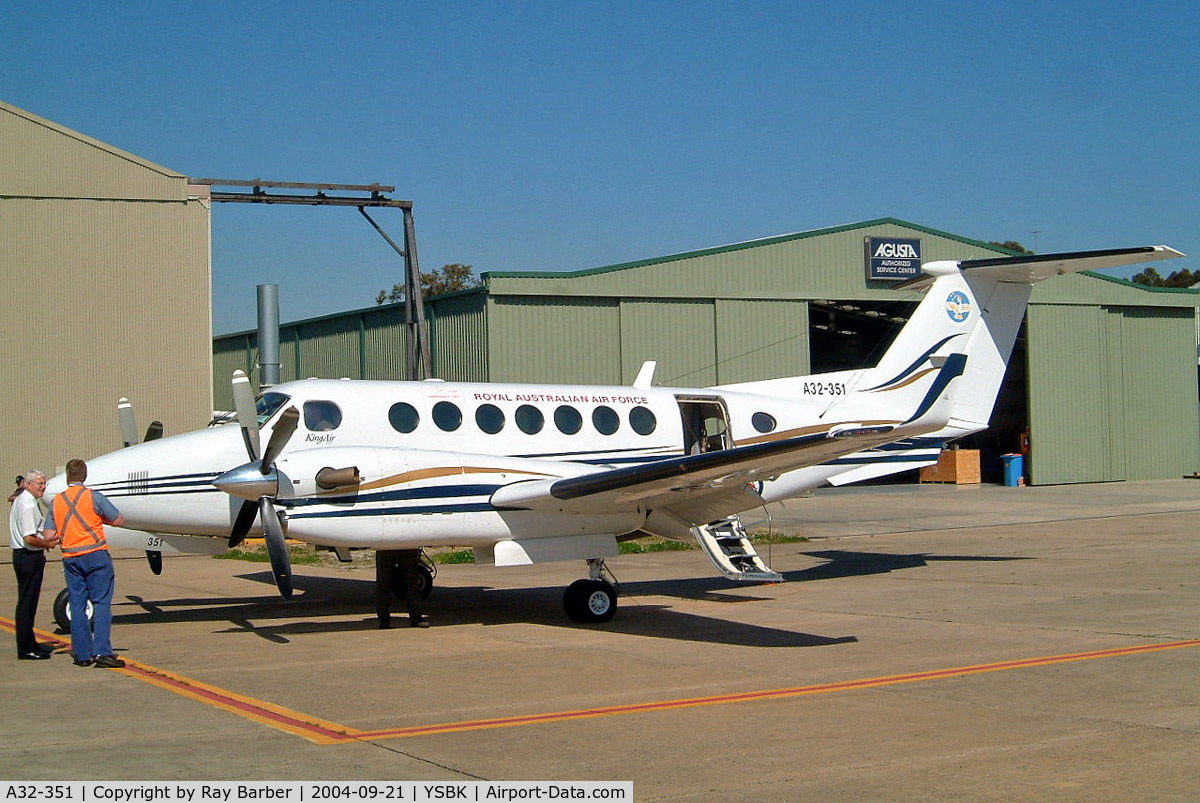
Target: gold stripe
{"x": 439, "y": 471}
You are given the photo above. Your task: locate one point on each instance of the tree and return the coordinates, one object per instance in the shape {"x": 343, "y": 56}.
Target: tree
{"x": 1152, "y": 278}
{"x": 1011, "y": 245}
{"x": 446, "y": 279}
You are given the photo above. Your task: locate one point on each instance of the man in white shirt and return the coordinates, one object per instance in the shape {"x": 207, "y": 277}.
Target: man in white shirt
{"x": 29, "y": 562}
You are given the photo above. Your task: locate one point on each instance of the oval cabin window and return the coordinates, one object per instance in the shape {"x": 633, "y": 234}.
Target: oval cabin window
{"x": 568, "y": 420}
{"x": 763, "y": 422}
{"x": 403, "y": 417}
{"x": 489, "y": 418}
{"x": 530, "y": 419}
{"x": 447, "y": 416}
{"x": 642, "y": 420}
{"x": 605, "y": 420}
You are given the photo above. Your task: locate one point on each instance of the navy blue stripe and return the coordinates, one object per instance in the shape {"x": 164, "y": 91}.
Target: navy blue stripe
{"x": 427, "y": 492}
{"x": 473, "y": 507}
{"x": 953, "y": 367}
{"x": 201, "y": 477}
{"x": 658, "y": 452}
{"x": 880, "y": 459}
{"x": 121, "y": 495}
{"x": 917, "y": 363}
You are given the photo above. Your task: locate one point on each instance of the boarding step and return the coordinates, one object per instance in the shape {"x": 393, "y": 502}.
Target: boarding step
{"x": 731, "y": 552}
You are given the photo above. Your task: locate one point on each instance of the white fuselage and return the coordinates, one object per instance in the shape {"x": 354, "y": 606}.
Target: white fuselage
{"x": 431, "y": 454}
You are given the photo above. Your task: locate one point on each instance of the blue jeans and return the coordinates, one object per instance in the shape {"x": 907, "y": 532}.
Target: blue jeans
{"x": 90, "y": 577}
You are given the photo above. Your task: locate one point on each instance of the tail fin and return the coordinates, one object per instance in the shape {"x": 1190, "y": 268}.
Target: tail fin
{"x": 976, "y": 307}
{"x": 973, "y": 308}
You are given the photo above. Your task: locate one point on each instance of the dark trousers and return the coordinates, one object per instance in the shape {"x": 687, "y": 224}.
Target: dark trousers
{"x": 390, "y": 563}
{"x": 29, "y": 566}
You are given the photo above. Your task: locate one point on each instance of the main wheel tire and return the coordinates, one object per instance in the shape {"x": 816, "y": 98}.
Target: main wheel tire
{"x": 590, "y": 601}
{"x": 62, "y": 611}
{"x": 424, "y": 582}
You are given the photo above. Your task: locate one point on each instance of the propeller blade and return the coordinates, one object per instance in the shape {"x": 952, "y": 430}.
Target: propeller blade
{"x": 243, "y": 523}
{"x": 281, "y": 566}
{"x": 128, "y": 423}
{"x": 284, "y": 427}
{"x": 153, "y": 432}
{"x": 247, "y": 413}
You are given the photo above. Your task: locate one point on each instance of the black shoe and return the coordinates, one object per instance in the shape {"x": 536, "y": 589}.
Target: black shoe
{"x": 84, "y": 662}
{"x": 109, "y": 662}
{"x": 46, "y": 648}
{"x": 33, "y": 655}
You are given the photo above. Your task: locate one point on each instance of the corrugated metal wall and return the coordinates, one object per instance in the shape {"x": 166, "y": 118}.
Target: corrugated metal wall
{"x": 822, "y": 264}
{"x": 45, "y": 160}
{"x": 105, "y": 260}
{"x": 760, "y": 339}
{"x": 1112, "y": 394}
{"x": 681, "y": 335}
{"x": 363, "y": 344}
{"x": 553, "y": 339}
{"x": 458, "y": 331}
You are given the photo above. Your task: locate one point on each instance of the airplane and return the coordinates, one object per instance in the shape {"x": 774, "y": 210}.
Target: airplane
{"x": 527, "y": 474}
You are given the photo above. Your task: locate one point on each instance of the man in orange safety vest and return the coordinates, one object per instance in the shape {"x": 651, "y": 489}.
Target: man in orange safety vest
{"x": 77, "y": 516}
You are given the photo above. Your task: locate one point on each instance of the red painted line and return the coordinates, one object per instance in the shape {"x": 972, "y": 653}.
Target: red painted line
{"x": 322, "y": 732}
{"x": 237, "y": 704}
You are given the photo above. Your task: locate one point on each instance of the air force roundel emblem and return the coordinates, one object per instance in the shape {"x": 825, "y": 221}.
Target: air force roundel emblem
{"x": 958, "y": 306}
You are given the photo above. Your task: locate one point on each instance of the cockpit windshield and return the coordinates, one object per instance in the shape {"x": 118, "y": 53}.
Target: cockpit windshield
{"x": 268, "y": 404}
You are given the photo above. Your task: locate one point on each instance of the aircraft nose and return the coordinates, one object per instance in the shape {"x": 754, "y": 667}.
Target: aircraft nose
{"x": 55, "y": 485}
{"x": 248, "y": 482}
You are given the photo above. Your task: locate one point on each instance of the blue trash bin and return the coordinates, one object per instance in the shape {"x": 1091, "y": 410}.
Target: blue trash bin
{"x": 1014, "y": 469}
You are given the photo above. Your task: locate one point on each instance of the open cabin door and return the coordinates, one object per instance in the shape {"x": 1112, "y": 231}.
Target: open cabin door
{"x": 705, "y": 424}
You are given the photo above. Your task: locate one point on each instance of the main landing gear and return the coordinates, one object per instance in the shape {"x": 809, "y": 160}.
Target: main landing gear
{"x": 62, "y": 611}
{"x": 592, "y": 600}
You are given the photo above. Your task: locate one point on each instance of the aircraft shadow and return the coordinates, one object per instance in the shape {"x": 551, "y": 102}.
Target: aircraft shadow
{"x": 844, "y": 563}
{"x": 319, "y": 600}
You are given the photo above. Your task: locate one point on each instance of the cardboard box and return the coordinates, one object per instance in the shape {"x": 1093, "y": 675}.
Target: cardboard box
{"x": 960, "y": 466}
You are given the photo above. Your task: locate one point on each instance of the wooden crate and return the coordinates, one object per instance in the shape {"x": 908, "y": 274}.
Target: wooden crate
{"x": 960, "y": 466}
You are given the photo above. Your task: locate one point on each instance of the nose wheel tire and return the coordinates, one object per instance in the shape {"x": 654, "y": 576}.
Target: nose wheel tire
{"x": 62, "y": 611}
{"x": 590, "y": 601}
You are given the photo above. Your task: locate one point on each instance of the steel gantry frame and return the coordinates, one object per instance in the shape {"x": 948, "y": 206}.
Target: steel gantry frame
{"x": 417, "y": 354}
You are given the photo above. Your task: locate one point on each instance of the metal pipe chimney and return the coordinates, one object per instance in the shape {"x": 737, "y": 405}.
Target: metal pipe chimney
{"x": 268, "y": 335}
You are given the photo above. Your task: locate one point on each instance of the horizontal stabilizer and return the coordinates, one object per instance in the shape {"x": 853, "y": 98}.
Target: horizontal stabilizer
{"x": 1030, "y": 268}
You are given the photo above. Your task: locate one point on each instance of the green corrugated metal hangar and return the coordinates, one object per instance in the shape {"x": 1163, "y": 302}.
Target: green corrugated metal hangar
{"x": 1104, "y": 375}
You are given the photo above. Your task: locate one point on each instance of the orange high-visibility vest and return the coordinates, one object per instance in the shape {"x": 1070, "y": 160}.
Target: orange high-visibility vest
{"x": 78, "y": 523}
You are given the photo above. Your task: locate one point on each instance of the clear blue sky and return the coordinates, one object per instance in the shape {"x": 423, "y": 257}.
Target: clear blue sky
{"x": 536, "y": 135}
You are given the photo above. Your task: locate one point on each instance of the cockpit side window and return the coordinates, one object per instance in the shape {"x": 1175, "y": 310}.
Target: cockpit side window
{"x": 322, "y": 416}
{"x": 268, "y": 404}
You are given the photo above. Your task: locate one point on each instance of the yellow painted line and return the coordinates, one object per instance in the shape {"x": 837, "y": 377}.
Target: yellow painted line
{"x": 771, "y": 694}
{"x": 321, "y": 731}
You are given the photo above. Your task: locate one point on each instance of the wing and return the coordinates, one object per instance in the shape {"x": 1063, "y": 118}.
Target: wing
{"x": 705, "y": 487}
{"x": 697, "y": 488}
